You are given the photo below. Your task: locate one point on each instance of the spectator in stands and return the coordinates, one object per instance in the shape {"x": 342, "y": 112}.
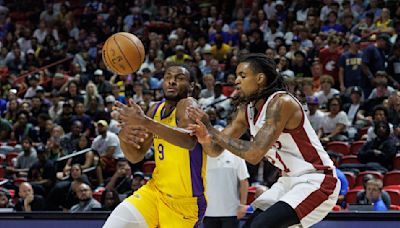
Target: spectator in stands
{"x": 329, "y": 58}
{"x": 40, "y": 134}
{"x": 5, "y": 129}
{"x": 72, "y": 92}
{"x": 220, "y": 50}
{"x": 326, "y": 92}
{"x": 12, "y": 110}
{"x": 394, "y": 109}
{"x": 53, "y": 146}
{"x": 28, "y": 201}
{"x": 350, "y": 73}
{"x": 209, "y": 82}
{"x": 86, "y": 120}
{"x": 106, "y": 145}
{"x": 392, "y": 68}
{"x": 109, "y": 200}
{"x": 381, "y": 149}
{"x": 226, "y": 206}
{"x": 25, "y": 159}
{"x": 65, "y": 119}
{"x": 86, "y": 160}
{"x": 58, "y": 82}
{"x": 103, "y": 87}
{"x": 22, "y": 126}
{"x": 361, "y": 195}
{"x": 91, "y": 93}
{"x": 33, "y": 81}
{"x": 69, "y": 142}
{"x": 42, "y": 175}
{"x": 86, "y": 200}
{"x": 381, "y": 90}
{"x": 315, "y": 115}
{"x": 380, "y": 113}
{"x": 5, "y": 199}
{"x": 373, "y": 195}
{"x": 299, "y": 65}
{"x": 373, "y": 60}
{"x": 221, "y": 103}
{"x": 121, "y": 181}
{"x": 62, "y": 195}
{"x": 335, "y": 122}
{"x": 55, "y": 109}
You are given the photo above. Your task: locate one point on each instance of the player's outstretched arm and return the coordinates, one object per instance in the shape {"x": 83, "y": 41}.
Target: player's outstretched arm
{"x": 235, "y": 129}
{"x": 135, "y": 141}
{"x": 280, "y": 110}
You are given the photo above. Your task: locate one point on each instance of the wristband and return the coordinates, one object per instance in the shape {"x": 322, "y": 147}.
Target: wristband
{"x": 249, "y": 209}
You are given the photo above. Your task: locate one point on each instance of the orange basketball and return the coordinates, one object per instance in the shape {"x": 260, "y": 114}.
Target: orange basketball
{"x": 123, "y": 53}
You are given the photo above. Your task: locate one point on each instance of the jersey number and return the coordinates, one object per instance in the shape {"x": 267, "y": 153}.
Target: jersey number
{"x": 161, "y": 151}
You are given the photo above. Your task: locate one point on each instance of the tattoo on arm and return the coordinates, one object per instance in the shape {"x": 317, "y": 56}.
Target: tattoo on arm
{"x": 264, "y": 139}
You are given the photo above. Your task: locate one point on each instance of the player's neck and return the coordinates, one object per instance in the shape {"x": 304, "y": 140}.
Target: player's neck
{"x": 258, "y": 104}
{"x": 169, "y": 106}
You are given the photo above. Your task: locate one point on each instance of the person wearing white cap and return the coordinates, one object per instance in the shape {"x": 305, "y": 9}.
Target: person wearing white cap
{"x": 180, "y": 56}
{"x": 103, "y": 87}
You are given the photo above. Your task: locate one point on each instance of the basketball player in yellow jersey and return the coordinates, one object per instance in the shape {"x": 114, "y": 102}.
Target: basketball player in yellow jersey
{"x": 174, "y": 197}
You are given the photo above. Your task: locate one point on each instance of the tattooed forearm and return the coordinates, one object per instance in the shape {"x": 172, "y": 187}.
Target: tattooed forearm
{"x": 236, "y": 146}
{"x": 263, "y": 141}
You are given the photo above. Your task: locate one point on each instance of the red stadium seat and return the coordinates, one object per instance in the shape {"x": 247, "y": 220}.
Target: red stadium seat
{"x": 336, "y": 208}
{"x": 392, "y": 187}
{"x": 148, "y": 167}
{"x": 19, "y": 180}
{"x": 351, "y": 178}
{"x": 396, "y": 162}
{"x": 394, "y": 196}
{"x": 394, "y": 207}
{"x": 251, "y": 195}
{"x": 351, "y": 196}
{"x": 359, "y": 180}
{"x": 392, "y": 178}
{"x": 10, "y": 156}
{"x": 338, "y": 147}
{"x": 12, "y": 192}
{"x": 97, "y": 195}
{"x": 356, "y": 146}
{"x": 363, "y": 131}
{"x": 349, "y": 159}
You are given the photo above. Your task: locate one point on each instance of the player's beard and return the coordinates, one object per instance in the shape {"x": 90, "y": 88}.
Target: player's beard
{"x": 181, "y": 95}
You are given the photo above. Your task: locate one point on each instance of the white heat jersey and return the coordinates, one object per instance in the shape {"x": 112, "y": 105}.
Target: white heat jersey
{"x": 297, "y": 151}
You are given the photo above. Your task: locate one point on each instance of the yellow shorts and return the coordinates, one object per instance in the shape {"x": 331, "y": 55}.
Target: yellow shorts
{"x": 163, "y": 211}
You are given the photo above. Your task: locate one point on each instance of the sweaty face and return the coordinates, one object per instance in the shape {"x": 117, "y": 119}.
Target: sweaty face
{"x": 245, "y": 80}
{"x": 176, "y": 83}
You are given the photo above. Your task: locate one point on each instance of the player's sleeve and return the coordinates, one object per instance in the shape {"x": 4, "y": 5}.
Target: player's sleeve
{"x": 241, "y": 169}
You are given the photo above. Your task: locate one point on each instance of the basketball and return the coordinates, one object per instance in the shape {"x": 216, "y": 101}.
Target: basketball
{"x": 123, "y": 53}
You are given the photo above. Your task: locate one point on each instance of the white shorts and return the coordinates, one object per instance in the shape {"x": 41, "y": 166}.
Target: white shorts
{"x": 312, "y": 196}
{"x": 125, "y": 215}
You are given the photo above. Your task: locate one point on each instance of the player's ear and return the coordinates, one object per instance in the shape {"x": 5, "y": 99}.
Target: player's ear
{"x": 261, "y": 78}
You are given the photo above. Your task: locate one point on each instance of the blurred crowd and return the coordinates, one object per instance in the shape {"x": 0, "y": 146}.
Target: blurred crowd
{"x": 59, "y": 136}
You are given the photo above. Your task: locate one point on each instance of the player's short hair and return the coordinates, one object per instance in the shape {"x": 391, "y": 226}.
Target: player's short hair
{"x": 186, "y": 67}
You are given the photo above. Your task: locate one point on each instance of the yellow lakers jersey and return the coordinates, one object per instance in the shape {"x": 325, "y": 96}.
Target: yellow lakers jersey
{"x": 179, "y": 172}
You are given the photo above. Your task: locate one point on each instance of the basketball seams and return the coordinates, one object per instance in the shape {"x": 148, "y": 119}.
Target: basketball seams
{"x": 120, "y": 50}
{"x": 134, "y": 44}
{"x": 105, "y": 56}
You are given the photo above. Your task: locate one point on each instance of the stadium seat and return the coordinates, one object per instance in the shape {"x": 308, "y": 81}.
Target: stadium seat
{"x": 10, "y": 156}
{"x": 251, "y": 195}
{"x": 336, "y": 208}
{"x": 392, "y": 187}
{"x": 351, "y": 178}
{"x": 349, "y": 159}
{"x": 356, "y": 146}
{"x": 394, "y": 207}
{"x": 392, "y": 178}
{"x": 12, "y": 192}
{"x": 338, "y": 147}
{"x": 359, "y": 180}
{"x": 394, "y": 196}
{"x": 97, "y": 195}
{"x": 396, "y": 162}
{"x": 148, "y": 167}
{"x": 351, "y": 196}
{"x": 363, "y": 131}
{"x": 19, "y": 180}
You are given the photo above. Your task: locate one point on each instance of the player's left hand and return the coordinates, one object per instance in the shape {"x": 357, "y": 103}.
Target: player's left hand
{"x": 200, "y": 131}
{"x": 129, "y": 115}
{"x": 197, "y": 114}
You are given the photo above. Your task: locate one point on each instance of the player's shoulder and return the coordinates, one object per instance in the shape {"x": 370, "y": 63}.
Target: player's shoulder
{"x": 285, "y": 102}
{"x": 186, "y": 102}
{"x": 152, "y": 108}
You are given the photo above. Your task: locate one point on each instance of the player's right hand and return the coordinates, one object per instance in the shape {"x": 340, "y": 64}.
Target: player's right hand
{"x": 200, "y": 131}
{"x": 133, "y": 135}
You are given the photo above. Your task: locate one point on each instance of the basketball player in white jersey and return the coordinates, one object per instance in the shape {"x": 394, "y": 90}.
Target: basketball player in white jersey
{"x": 308, "y": 188}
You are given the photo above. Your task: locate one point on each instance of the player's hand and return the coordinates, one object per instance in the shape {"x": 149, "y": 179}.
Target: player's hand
{"x": 241, "y": 211}
{"x": 200, "y": 131}
{"x": 133, "y": 135}
{"x": 131, "y": 114}
{"x": 196, "y": 113}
